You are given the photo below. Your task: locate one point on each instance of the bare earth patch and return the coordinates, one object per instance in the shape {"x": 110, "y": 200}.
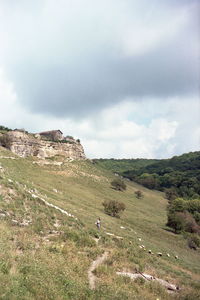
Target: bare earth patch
{"x": 169, "y": 286}
{"x": 93, "y": 266}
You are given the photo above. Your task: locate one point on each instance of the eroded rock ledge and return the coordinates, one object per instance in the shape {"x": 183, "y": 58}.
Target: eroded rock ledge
{"x": 53, "y": 143}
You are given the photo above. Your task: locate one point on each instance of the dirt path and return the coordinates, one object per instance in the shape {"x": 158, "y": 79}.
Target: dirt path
{"x": 93, "y": 266}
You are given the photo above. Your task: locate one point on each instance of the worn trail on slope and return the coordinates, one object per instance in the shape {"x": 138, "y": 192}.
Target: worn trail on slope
{"x": 93, "y": 266}
{"x": 52, "y": 205}
{"x": 9, "y": 157}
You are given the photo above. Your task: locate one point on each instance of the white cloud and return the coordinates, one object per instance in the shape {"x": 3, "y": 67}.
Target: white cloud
{"x": 156, "y": 129}
{"x": 168, "y": 128}
{"x": 162, "y": 130}
{"x": 8, "y": 99}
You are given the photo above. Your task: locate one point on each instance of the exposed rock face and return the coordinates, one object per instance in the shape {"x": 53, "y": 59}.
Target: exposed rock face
{"x": 53, "y": 135}
{"x": 24, "y": 144}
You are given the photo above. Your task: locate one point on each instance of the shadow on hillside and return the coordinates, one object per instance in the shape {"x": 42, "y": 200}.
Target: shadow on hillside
{"x": 169, "y": 230}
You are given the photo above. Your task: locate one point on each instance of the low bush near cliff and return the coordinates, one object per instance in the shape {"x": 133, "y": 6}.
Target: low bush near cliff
{"x": 4, "y": 141}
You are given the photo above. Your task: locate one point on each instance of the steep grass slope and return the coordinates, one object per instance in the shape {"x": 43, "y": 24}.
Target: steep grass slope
{"x": 46, "y": 254}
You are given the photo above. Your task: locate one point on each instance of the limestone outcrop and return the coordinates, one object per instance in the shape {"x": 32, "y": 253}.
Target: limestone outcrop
{"x": 26, "y": 144}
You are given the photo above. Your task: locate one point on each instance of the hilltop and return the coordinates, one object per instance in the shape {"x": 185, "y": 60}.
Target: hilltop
{"x": 49, "y": 241}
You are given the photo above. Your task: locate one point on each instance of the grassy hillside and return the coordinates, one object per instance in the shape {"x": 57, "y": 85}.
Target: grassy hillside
{"x": 46, "y": 254}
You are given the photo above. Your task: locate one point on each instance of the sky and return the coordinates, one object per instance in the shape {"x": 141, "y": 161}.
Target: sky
{"x": 123, "y": 76}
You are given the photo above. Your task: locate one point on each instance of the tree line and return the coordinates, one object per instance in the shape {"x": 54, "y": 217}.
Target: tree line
{"x": 179, "y": 175}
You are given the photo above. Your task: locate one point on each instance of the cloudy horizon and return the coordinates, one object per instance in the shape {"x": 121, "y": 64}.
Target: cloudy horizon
{"x": 123, "y": 76}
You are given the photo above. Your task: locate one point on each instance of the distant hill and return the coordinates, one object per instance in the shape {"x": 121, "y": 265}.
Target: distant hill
{"x": 122, "y": 165}
{"x": 180, "y": 172}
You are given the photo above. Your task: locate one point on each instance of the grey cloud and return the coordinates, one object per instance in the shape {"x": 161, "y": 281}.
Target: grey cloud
{"x": 63, "y": 90}
{"x": 97, "y": 75}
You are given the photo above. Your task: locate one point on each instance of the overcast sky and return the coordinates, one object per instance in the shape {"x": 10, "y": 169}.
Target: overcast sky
{"x": 121, "y": 75}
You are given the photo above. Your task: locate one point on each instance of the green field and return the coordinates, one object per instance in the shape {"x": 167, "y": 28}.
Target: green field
{"x": 49, "y": 258}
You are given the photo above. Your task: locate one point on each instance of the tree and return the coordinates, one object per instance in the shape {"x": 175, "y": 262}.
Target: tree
{"x": 118, "y": 184}
{"x": 178, "y": 205}
{"x": 139, "y": 194}
{"x": 113, "y": 208}
{"x": 190, "y": 224}
{"x": 171, "y": 194}
{"x": 194, "y": 241}
{"x": 148, "y": 180}
{"x": 193, "y": 206}
{"x": 176, "y": 221}
{"x": 182, "y": 221}
{"x": 3, "y": 128}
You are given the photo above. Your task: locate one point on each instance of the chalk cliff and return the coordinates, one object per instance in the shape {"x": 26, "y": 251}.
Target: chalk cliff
{"x": 25, "y": 144}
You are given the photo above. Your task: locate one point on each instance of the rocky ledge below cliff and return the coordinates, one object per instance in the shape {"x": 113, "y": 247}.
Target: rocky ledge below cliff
{"x": 25, "y": 144}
